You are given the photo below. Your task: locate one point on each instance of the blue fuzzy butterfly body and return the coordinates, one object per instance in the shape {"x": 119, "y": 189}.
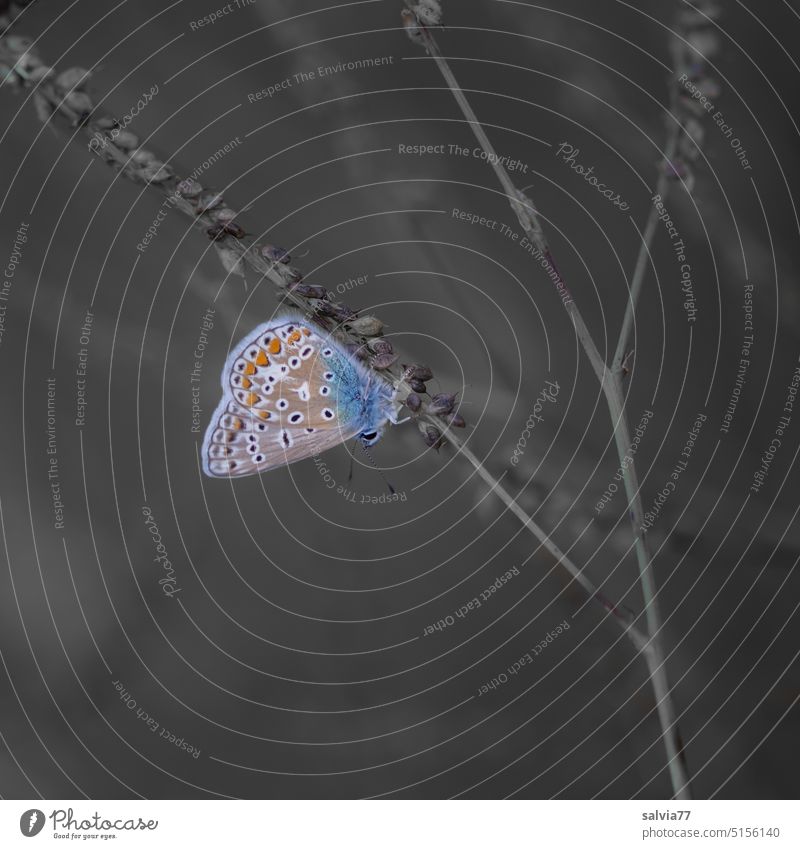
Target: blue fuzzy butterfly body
{"x": 290, "y": 391}
{"x": 360, "y": 398}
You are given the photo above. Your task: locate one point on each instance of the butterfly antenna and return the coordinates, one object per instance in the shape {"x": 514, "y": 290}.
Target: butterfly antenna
{"x": 350, "y": 474}
{"x": 378, "y": 469}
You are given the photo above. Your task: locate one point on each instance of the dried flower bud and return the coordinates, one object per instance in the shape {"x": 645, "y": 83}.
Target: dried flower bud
{"x": 43, "y": 108}
{"x": 222, "y": 229}
{"x": 418, "y": 386}
{"x": 124, "y": 139}
{"x": 429, "y": 12}
{"x": 189, "y": 188}
{"x": 234, "y": 230}
{"x": 326, "y": 308}
{"x": 413, "y": 28}
{"x": 708, "y": 87}
{"x": 156, "y": 172}
{"x": 384, "y": 361}
{"x": 694, "y": 129}
{"x": 26, "y": 64}
{"x": 691, "y": 104}
{"x": 29, "y": 60}
{"x": 142, "y": 156}
{"x": 704, "y": 42}
{"x": 679, "y": 169}
{"x": 79, "y": 102}
{"x": 367, "y": 325}
{"x": 73, "y": 78}
{"x": 431, "y": 435}
{"x": 417, "y": 372}
{"x": 701, "y": 14}
{"x": 106, "y": 122}
{"x": 223, "y": 215}
{"x": 360, "y": 351}
{"x": 307, "y": 290}
{"x": 441, "y": 405}
{"x": 341, "y": 312}
{"x": 456, "y": 420}
{"x": 275, "y": 254}
{"x": 18, "y": 43}
{"x": 381, "y": 346}
{"x": 290, "y": 274}
{"x": 208, "y": 201}
{"x": 413, "y": 402}
{"x": 690, "y": 143}
{"x": 40, "y": 73}
{"x": 230, "y": 259}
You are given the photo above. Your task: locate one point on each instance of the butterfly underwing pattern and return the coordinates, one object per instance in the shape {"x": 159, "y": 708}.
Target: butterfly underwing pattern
{"x": 290, "y": 391}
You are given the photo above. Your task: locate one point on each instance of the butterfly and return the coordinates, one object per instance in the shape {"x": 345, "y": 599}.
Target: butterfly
{"x": 291, "y": 391}
{"x": 429, "y": 12}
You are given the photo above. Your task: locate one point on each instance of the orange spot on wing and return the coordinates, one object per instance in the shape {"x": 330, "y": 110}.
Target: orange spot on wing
{"x": 249, "y": 368}
{"x": 306, "y": 331}
{"x": 250, "y": 399}
{"x": 264, "y": 414}
{"x": 261, "y": 358}
{"x": 294, "y": 336}
{"x": 246, "y": 384}
{"x": 274, "y": 346}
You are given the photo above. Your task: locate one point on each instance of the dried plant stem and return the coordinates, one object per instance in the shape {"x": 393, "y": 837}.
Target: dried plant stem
{"x": 247, "y": 251}
{"x": 611, "y": 383}
{"x": 623, "y": 617}
{"x": 643, "y": 258}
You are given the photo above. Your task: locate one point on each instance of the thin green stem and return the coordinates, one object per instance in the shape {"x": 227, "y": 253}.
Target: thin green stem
{"x": 623, "y": 617}
{"x": 611, "y": 382}
{"x": 665, "y": 180}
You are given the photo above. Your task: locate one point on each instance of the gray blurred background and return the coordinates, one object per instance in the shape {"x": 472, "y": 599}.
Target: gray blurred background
{"x": 294, "y": 655}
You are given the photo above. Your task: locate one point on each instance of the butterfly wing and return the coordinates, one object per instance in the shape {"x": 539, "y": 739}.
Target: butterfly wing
{"x": 289, "y": 393}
